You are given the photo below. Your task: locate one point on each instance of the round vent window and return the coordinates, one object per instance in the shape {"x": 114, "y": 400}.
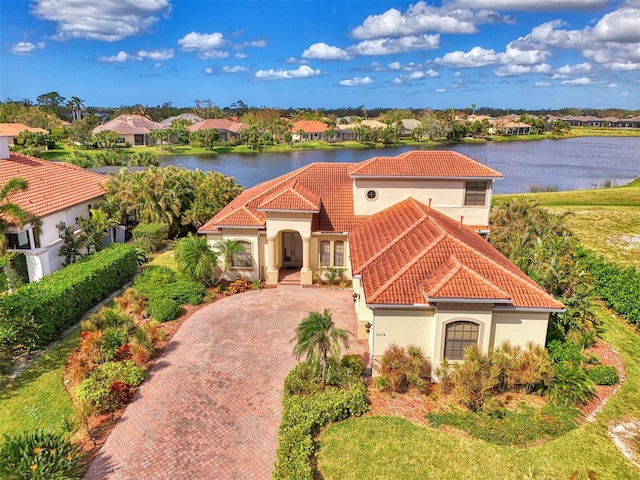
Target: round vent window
{"x": 372, "y": 195}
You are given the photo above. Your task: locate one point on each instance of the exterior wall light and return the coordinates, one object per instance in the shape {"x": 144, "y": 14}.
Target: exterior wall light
{"x": 356, "y": 297}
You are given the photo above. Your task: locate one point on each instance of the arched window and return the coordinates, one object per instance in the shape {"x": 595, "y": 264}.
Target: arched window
{"x": 243, "y": 259}
{"x": 325, "y": 253}
{"x": 458, "y": 336}
{"x": 338, "y": 253}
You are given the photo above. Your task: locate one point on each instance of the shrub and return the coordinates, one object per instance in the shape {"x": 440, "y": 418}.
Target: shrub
{"x": 112, "y": 340}
{"x": 402, "y": 368}
{"x": 162, "y": 282}
{"x": 37, "y": 313}
{"x": 163, "y": 309}
{"x": 475, "y": 378}
{"x": 96, "y": 391}
{"x": 150, "y": 237}
{"x": 444, "y": 374}
{"x": 565, "y": 352}
{"x": 39, "y": 455}
{"x": 333, "y": 275}
{"x": 303, "y": 416}
{"x": 571, "y": 386}
{"x": 604, "y": 375}
{"x": 519, "y": 428}
{"x": 353, "y": 363}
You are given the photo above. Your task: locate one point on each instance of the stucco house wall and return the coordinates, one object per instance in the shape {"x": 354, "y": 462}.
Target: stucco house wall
{"x": 447, "y": 196}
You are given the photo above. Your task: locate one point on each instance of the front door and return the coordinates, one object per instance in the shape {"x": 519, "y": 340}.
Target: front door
{"x": 292, "y": 250}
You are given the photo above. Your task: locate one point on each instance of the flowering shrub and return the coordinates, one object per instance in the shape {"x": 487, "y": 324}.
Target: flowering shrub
{"x": 39, "y": 455}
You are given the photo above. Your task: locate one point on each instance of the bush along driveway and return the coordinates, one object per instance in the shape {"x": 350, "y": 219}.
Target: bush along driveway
{"x": 212, "y": 405}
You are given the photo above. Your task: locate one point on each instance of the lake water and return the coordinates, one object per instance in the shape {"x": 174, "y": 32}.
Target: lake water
{"x": 568, "y": 164}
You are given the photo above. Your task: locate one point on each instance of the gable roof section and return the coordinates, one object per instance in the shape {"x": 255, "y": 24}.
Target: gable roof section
{"x": 218, "y": 124}
{"x": 129, "y": 125}
{"x": 409, "y": 251}
{"x": 297, "y": 190}
{"x": 424, "y": 164}
{"x": 309, "y": 126}
{"x": 296, "y": 197}
{"x": 53, "y": 186}
{"x": 15, "y": 129}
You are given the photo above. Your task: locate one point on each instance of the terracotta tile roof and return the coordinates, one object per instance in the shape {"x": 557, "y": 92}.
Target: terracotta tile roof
{"x": 335, "y": 207}
{"x": 423, "y": 164}
{"x": 14, "y": 129}
{"x": 53, "y": 186}
{"x": 218, "y": 124}
{"x": 309, "y": 126}
{"x": 295, "y": 197}
{"x": 408, "y": 252}
{"x": 129, "y": 125}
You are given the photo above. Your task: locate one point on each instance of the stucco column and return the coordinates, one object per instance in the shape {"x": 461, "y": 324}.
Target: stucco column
{"x": 306, "y": 275}
{"x": 272, "y": 269}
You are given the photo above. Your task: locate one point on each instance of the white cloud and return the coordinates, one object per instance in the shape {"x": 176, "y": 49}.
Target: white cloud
{"x": 517, "y": 70}
{"x": 213, "y": 54}
{"x": 389, "y": 46}
{"x": 441, "y": 90}
{"x": 159, "y": 55}
{"x": 394, "y": 66}
{"x": 303, "y": 71}
{"x": 612, "y": 85}
{"x": 322, "y": 51}
{"x": 539, "y": 5}
{"x": 234, "y": 69}
{"x": 476, "y": 57}
{"x": 356, "y": 81}
{"x": 624, "y": 94}
{"x": 518, "y": 56}
{"x": 621, "y": 26}
{"x": 104, "y": 20}
{"x": 421, "y": 17}
{"x": 577, "y": 68}
{"x": 542, "y": 84}
{"x": 578, "y": 81}
{"x": 208, "y": 71}
{"x": 25, "y": 48}
{"x": 202, "y": 41}
{"x": 417, "y": 75}
{"x": 240, "y": 55}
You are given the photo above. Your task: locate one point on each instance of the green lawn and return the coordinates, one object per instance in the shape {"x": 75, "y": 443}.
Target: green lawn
{"x": 605, "y": 219}
{"x": 393, "y": 448}
{"x": 37, "y": 397}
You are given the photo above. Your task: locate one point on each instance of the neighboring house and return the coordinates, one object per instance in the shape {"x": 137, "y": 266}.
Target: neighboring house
{"x": 132, "y": 129}
{"x": 58, "y": 192}
{"x": 404, "y": 229}
{"x": 409, "y": 125}
{"x": 190, "y": 117}
{"x": 229, "y": 130}
{"x": 12, "y": 130}
{"x": 308, "y": 130}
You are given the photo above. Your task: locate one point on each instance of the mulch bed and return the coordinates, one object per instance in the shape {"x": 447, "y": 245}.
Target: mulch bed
{"x": 414, "y": 406}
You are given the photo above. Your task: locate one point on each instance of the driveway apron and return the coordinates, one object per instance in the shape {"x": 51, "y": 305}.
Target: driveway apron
{"x": 213, "y": 402}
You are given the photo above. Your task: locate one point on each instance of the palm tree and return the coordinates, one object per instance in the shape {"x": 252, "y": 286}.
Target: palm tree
{"x": 195, "y": 258}
{"x": 13, "y": 214}
{"x": 227, "y": 249}
{"x": 318, "y": 338}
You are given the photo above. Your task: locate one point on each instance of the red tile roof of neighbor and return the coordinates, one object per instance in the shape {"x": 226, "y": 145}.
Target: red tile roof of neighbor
{"x": 309, "y": 126}
{"x": 14, "y": 129}
{"x": 428, "y": 164}
{"x": 411, "y": 254}
{"x": 129, "y": 125}
{"x": 218, "y": 124}
{"x": 53, "y": 186}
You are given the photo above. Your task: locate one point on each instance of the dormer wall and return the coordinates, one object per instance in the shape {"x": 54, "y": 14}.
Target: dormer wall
{"x": 372, "y": 195}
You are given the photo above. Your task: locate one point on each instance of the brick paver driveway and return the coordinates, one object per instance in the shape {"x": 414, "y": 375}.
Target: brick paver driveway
{"x": 212, "y": 405}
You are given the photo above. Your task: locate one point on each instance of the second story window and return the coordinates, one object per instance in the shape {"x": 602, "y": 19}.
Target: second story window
{"x": 475, "y": 194}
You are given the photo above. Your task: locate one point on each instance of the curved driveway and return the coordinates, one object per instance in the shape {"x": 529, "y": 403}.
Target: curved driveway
{"x": 212, "y": 405}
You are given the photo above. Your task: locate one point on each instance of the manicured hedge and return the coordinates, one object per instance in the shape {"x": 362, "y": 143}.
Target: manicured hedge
{"x": 36, "y": 314}
{"x": 19, "y": 266}
{"x": 618, "y": 286}
{"x": 303, "y": 415}
{"x": 150, "y": 236}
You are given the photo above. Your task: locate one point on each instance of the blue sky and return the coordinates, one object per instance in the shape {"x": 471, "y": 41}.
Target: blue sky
{"x": 323, "y": 54}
